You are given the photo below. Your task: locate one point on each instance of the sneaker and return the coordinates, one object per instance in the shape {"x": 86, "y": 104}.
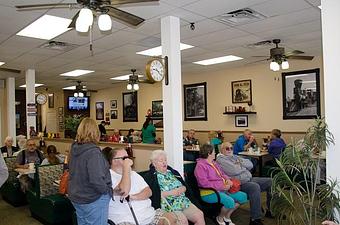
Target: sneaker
{"x": 228, "y": 221}
{"x": 256, "y": 222}
{"x": 220, "y": 221}
{"x": 269, "y": 214}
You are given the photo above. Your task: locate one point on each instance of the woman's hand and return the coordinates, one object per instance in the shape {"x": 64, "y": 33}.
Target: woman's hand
{"x": 174, "y": 192}
{"x": 328, "y": 223}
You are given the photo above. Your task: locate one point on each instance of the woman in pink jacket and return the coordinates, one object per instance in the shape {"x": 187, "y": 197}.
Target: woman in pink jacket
{"x": 210, "y": 175}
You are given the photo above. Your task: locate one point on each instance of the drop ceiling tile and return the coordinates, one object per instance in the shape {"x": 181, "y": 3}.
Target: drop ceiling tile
{"x": 179, "y": 3}
{"x": 237, "y": 42}
{"x": 203, "y": 27}
{"x": 279, "y": 7}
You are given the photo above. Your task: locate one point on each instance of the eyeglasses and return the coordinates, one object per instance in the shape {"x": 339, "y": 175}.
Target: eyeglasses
{"x": 123, "y": 157}
{"x": 229, "y": 148}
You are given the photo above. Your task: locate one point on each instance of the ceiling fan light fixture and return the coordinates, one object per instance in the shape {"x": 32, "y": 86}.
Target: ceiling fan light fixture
{"x": 75, "y": 94}
{"x": 81, "y": 26}
{"x": 86, "y": 16}
{"x": 104, "y": 22}
{"x": 285, "y": 65}
{"x": 136, "y": 87}
{"x": 129, "y": 87}
{"x": 81, "y": 94}
{"x": 274, "y": 66}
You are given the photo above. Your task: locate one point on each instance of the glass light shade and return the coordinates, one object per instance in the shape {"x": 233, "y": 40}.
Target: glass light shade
{"x": 81, "y": 27}
{"x": 274, "y": 66}
{"x": 285, "y": 65}
{"x": 81, "y": 94}
{"x": 86, "y": 16}
{"x": 129, "y": 87}
{"x": 136, "y": 87}
{"x": 75, "y": 95}
{"x": 104, "y": 22}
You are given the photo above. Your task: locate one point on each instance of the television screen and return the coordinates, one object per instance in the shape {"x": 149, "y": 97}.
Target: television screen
{"x": 78, "y": 103}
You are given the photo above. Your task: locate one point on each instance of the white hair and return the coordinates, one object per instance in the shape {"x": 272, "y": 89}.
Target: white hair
{"x": 8, "y": 138}
{"x": 156, "y": 154}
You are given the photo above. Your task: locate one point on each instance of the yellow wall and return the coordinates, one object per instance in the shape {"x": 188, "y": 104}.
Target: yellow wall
{"x": 3, "y": 114}
{"x": 266, "y": 89}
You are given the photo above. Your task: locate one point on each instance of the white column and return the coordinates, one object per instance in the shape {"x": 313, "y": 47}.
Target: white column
{"x": 172, "y": 93}
{"x": 331, "y": 48}
{"x": 30, "y": 98}
{"x": 11, "y": 127}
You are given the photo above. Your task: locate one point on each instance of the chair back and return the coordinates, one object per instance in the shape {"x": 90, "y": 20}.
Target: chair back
{"x": 45, "y": 176}
{"x": 10, "y": 163}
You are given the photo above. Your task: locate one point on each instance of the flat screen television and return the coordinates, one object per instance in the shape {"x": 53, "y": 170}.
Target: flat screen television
{"x": 78, "y": 103}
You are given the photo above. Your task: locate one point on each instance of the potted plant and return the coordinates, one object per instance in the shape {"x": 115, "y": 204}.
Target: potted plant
{"x": 300, "y": 197}
{"x": 71, "y": 125}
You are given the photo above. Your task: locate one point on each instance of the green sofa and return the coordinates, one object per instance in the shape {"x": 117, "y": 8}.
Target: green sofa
{"x": 45, "y": 202}
{"x": 10, "y": 191}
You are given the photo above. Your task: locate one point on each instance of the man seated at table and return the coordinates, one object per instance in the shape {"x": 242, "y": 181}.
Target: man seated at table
{"x": 127, "y": 182}
{"x": 8, "y": 149}
{"x": 238, "y": 167}
{"x": 30, "y": 155}
{"x": 189, "y": 142}
{"x": 244, "y": 142}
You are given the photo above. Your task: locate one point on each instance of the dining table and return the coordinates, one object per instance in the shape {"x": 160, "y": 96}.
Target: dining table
{"x": 259, "y": 155}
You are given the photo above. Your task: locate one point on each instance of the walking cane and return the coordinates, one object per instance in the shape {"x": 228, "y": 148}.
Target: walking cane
{"x": 131, "y": 209}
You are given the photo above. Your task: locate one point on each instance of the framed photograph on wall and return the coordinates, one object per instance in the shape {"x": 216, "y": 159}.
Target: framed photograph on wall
{"x": 130, "y": 107}
{"x": 301, "y": 94}
{"x": 113, "y": 104}
{"x": 114, "y": 114}
{"x": 99, "y": 110}
{"x": 241, "y": 121}
{"x": 241, "y": 91}
{"x": 195, "y": 102}
{"x": 51, "y": 100}
{"x": 157, "y": 109}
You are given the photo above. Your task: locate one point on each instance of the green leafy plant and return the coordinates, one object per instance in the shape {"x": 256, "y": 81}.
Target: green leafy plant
{"x": 300, "y": 197}
{"x": 72, "y": 122}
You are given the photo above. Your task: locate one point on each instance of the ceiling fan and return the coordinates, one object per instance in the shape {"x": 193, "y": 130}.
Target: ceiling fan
{"x": 80, "y": 89}
{"x": 97, "y": 7}
{"x": 134, "y": 80}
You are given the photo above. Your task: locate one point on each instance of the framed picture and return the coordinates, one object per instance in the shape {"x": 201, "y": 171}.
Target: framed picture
{"x": 157, "y": 109}
{"x": 241, "y": 121}
{"x": 114, "y": 114}
{"x": 195, "y": 102}
{"x": 301, "y": 94}
{"x": 113, "y": 104}
{"x": 51, "y": 100}
{"x": 130, "y": 107}
{"x": 241, "y": 91}
{"x": 99, "y": 110}
{"x": 60, "y": 111}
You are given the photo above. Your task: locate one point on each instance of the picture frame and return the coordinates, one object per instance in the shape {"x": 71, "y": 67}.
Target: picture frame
{"x": 60, "y": 111}
{"x": 195, "y": 102}
{"x": 301, "y": 94}
{"x": 99, "y": 110}
{"x": 51, "y": 100}
{"x": 241, "y": 121}
{"x": 157, "y": 109}
{"x": 113, "y": 104}
{"x": 130, "y": 107}
{"x": 114, "y": 114}
{"x": 241, "y": 91}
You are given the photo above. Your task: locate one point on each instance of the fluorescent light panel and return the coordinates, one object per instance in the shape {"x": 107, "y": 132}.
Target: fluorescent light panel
{"x": 35, "y": 85}
{"x": 223, "y": 59}
{"x": 76, "y": 73}
{"x": 46, "y": 27}
{"x": 124, "y": 77}
{"x": 157, "y": 51}
{"x": 2, "y": 63}
{"x": 70, "y": 88}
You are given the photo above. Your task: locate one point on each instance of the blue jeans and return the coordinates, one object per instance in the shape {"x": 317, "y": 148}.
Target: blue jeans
{"x": 94, "y": 213}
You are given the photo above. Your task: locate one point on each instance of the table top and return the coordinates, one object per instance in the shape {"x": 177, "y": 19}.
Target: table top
{"x": 22, "y": 171}
{"x": 188, "y": 162}
{"x": 257, "y": 154}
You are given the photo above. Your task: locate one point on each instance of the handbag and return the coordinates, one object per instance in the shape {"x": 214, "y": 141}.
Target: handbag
{"x": 236, "y": 185}
{"x": 64, "y": 182}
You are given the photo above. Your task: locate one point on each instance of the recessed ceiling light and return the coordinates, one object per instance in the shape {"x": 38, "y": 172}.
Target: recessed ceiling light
{"x": 157, "y": 51}
{"x": 76, "y": 73}
{"x": 46, "y": 27}
{"x": 70, "y": 88}
{"x": 223, "y": 59}
{"x": 2, "y": 63}
{"x": 35, "y": 85}
{"x": 124, "y": 77}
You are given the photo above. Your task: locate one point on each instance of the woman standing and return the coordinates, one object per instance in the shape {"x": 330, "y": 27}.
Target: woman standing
{"x": 89, "y": 187}
{"x": 148, "y": 132}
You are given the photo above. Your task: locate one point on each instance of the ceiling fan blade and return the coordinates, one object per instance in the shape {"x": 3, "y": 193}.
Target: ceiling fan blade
{"x": 301, "y": 57}
{"x": 10, "y": 70}
{"x": 295, "y": 52}
{"x": 42, "y": 6}
{"x": 258, "y": 56}
{"x": 263, "y": 60}
{"x": 74, "y": 20}
{"x": 124, "y": 16}
{"x": 146, "y": 81}
{"x": 122, "y": 2}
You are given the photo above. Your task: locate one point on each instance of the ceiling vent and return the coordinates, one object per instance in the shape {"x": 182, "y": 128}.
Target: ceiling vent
{"x": 59, "y": 46}
{"x": 240, "y": 17}
{"x": 259, "y": 44}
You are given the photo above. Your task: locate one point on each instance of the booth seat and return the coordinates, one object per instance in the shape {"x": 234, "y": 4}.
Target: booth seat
{"x": 11, "y": 191}
{"x": 45, "y": 202}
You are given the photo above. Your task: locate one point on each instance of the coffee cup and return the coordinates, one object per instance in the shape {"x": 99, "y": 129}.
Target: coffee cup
{"x": 31, "y": 166}
{"x": 4, "y": 154}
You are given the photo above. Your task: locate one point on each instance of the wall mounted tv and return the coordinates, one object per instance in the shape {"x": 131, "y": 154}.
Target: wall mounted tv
{"x": 78, "y": 103}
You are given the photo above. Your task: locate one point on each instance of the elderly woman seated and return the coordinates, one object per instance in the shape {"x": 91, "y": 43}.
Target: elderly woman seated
{"x": 210, "y": 175}
{"x": 169, "y": 191}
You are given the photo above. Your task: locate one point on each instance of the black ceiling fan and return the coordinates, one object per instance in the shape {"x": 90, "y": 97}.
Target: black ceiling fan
{"x": 279, "y": 55}
{"x": 80, "y": 86}
{"x": 134, "y": 78}
{"x": 97, "y": 6}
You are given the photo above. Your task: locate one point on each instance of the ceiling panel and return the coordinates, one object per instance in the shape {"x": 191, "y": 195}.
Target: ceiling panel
{"x": 281, "y": 7}
{"x": 203, "y": 27}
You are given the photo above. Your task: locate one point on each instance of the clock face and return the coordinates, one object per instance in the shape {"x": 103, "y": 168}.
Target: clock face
{"x": 41, "y": 99}
{"x": 157, "y": 70}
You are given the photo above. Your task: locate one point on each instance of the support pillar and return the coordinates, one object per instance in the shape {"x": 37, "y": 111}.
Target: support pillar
{"x": 172, "y": 93}
{"x": 11, "y": 126}
{"x": 30, "y": 100}
{"x": 331, "y": 47}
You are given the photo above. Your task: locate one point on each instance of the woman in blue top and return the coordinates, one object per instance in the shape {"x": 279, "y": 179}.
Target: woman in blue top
{"x": 148, "y": 132}
{"x": 277, "y": 144}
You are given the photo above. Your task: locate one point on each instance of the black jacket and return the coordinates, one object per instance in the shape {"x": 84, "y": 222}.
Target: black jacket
{"x": 4, "y": 149}
{"x": 151, "y": 179}
{"x": 89, "y": 174}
